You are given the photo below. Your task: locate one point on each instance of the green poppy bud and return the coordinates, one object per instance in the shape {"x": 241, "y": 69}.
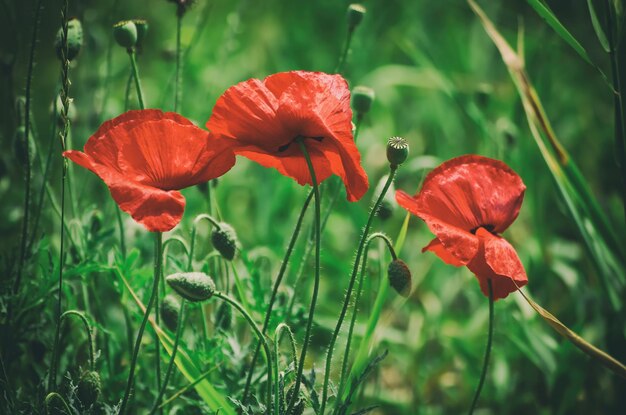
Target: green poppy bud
{"x": 96, "y": 222}
{"x": 399, "y": 277}
{"x": 74, "y": 40}
{"x": 397, "y": 151}
{"x": 169, "y": 311}
{"x": 142, "y": 28}
{"x": 125, "y": 33}
{"x": 362, "y": 98}
{"x": 89, "y": 387}
{"x": 224, "y": 239}
{"x": 356, "y": 12}
{"x": 224, "y": 316}
{"x": 192, "y": 286}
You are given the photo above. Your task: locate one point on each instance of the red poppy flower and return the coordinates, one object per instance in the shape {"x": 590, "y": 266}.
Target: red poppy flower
{"x": 467, "y": 202}
{"x": 263, "y": 119}
{"x": 146, "y": 156}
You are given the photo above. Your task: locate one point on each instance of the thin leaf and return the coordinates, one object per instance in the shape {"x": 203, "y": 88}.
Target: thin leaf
{"x": 214, "y": 399}
{"x": 602, "y": 357}
{"x": 598, "y": 27}
{"x": 546, "y": 14}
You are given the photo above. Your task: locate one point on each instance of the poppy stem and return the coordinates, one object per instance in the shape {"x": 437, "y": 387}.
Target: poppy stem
{"x": 261, "y": 337}
{"x": 279, "y": 278}
{"x": 346, "y": 355}
{"x": 487, "y": 350}
{"x": 316, "y": 285}
{"x": 133, "y": 63}
{"x": 170, "y": 366}
{"x": 81, "y": 316}
{"x": 344, "y": 54}
{"x": 355, "y": 268}
{"x": 155, "y": 287}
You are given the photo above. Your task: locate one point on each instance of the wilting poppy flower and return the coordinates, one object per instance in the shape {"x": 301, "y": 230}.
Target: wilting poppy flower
{"x": 146, "y": 156}
{"x": 467, "y": 202}
{"x": 263, "y": 120}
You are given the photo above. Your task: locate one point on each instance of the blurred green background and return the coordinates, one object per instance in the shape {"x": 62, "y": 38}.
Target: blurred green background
{"x": 441, "y": 84}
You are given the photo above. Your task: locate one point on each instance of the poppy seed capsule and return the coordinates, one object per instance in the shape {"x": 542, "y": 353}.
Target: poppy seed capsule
{"x": 169, "y": 312}
{"x": 224, "y": 317}
{"x": 224, "y": 239}
{"x": 397, "y": 150}
{"x": 89, "y": 387}
{"x": 356, "y": 12}
{"x": 362, "y": 98}
{"x": 125, "y": 33}
{"x": 74, "y": 40}
{"x": 192, "y": 286}
{"x": 141, "y": 26}
{"x": 399, "y": 277}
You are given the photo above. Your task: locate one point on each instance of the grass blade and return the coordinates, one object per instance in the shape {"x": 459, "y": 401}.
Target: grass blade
{"x": 598, "y": 27}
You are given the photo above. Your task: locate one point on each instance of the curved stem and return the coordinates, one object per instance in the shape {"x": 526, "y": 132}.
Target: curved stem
{"x": 155, "y": 287}
{"x": 81, "y": 316}
{"x": 483, "y": 374}
{"x": 279, "y": 278}
{"x": 278, "y": 333}
{"x": 316, "y": 284}
{"x": 355, "y": 269}
{"x": 170, "y": 366}
{"x": 55, "y": 396}
{"x": 259, "y": 334}
{"x": 133, "y": 64}
{"x": 346, "y": 355}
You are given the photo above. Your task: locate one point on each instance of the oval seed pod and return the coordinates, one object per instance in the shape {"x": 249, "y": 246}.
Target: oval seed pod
{"x": 125, "y": 33}
{"x": 362, "y": 99}
{"x": 169, "y": 312}
{"x": 356, "y": 12}
{"x": 142, "y": 28}
{"x": 89, "y": 387}
{"x": 399, "y": 277}
{"x": 225, "y": 240}
{"x": 192, "y": 286}
{"x": 397, "y": 150}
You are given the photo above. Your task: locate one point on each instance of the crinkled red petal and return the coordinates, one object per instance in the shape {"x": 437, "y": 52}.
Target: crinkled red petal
{"x": 435, "y": 246}
{"x": 472, "y": 191}
{"x": 497, "y": 260}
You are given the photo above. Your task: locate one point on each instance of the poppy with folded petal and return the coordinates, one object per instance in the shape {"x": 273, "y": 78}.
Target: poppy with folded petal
{"x": 146, "y": 156}
{"x": 467, "y": 202}
{"x": 264, "y": 120}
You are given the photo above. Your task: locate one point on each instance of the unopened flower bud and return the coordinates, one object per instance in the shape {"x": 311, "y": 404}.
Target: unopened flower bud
{"x": 169, "y": 311}
{"x": 224, "y": 239}
{"x": 96, "y": 222}
{"x": 125, "y": 33}
{"x": 362, "y": 98}
{"x": 74, "y": 40}
{"x": 89, "y": 387}
{"x": 192, "y": 286}
{"x": 356, "y": 12}
{"x": 397, "y": 151}
{"x": 399, "y": 277}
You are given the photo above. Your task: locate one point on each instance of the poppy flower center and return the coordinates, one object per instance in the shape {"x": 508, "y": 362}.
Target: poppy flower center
{"x": 284, "y": 147}
{"x": 488, "y": 228}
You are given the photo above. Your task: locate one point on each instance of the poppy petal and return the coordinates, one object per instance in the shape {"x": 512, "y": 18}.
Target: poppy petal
{"x": 498, "y": 261}
{"x": 472, "y": 191}
{"x": 458, "y": 242}
{"x": 435, "y": 246}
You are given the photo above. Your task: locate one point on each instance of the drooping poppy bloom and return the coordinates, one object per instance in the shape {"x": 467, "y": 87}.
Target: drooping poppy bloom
{"x": 264, "y": 119}
{"x": 467, "y": 202}
{"x": 146, "y": 156}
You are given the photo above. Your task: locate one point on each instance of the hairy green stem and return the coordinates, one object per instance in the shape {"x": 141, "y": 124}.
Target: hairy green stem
{"x": 316, "y": 284}
{"x": 155, "y": 287}
{"x": 83, "y": 319}
{"x": 483, "y": 374}
{"x": 346, "y": 301}
{"x": 178, "y": 92}
{"x": 279, "y": 279}
{"x": 346, "y": 355}
{"x": 170, "y": 366}
{"x": 278, "y": 334}
{"x": 261, "y": 337}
